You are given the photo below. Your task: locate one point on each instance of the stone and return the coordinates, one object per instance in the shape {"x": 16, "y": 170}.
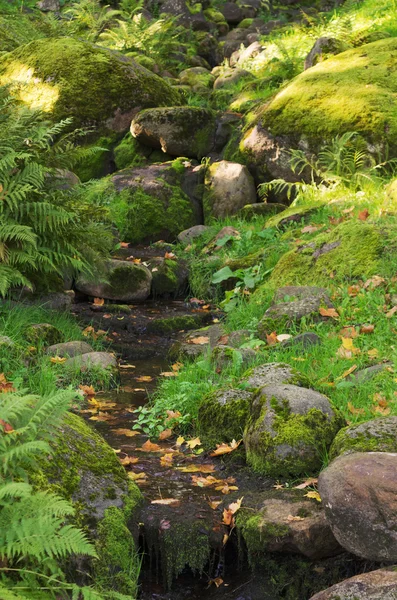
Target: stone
{"x": 226, "y": 232}
{"x": 225, "y": 356}
{"x": 231, "y": 12}
{"x": 179, "y": 131}
{"x": 290, "y": 305}
{"x": 67, "y": 77}
{"x": 69, "y": 349}
{"x": 250, "y": 52}
{"x": 293, "y": 524}
{"x": 323, "y": 48}
{"x": 375, "y": 585}
{"x": 43, "y": 334}
{"x": 161, "y": 199}
{"x": 189, "y": 19}
{"x": 222, "y": 416}
{"x": 229, "y": 187}
{"x": 250, "y": 211}
{"x": 303, "y": 341}
{"x": 55, "y": 301}
{"x": 127, "y": 282}
{"x": 189, "y": 235}
{"x": 196, "y": 76}
{"x": 364, "y": 375}
{"x": 49, "y": 5}
{"x": 288, "y": 430}
{"x": 208, "y": 337}
{"x": 359, "y": 492}
{"x": 377, "y": 435}
{"x": 169, "y": 277}
{"x": 104, "y": 360}
{"x": 231, "y": 77}
{"x": 273, "y": 374}
{"x": 6, "y": 341}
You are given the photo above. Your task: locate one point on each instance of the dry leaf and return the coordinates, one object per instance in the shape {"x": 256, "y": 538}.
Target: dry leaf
{"x": 363, "y": 215}
{"x": 58, "y": 360}
{"x": 136, "y": 476}
{"x": 271, "y": 339}
{"x": 172, "y": 414}
{"x": 199, "y": 341}
{"x": 307, "y": 483}
{"x": 217, "y": 581}
{"x": 347, "y": 350}
{"x": 214, "y": 504}
{"x": 169, "y": 255}
{"x": 314, "y": 495}
{"x": 128, "y": 460}
{"x": 353, "y": 290}
{"x": 169, "y": 374}
{"x": 197, "y": 469}
{"x": 374, "y": 353}
{"x": 310, "y": 229}
{"x": 329, "y": 312}
{"x": 347, "y": 373}
{"x": 180, "y": 440}
{"x": 348, "y": 332}
{"x": 167, "y": 502}
{"x": 124, "y": 244}
{"x": 367, "y": 328}
{"x": 87, "y": 390}
{"x": 374, "y": 282}
{"x": 391, "y": 312}
{"x": 193, "y": 443}
{"x": 355, "y": 411}
{"x": 126, "y": 432}
{"x": 7, "y": 428}
{"x": 166, "y": 460}
{"x": 291, "y": 518}
{"x": 283, "y": 337}
{"x": 99, "y": 301}
{"x": 164, "y": 435}
{"x": 347, "y": 211}
{"x": 142, "y": 378}
{"x": 225, "y": 448}
{"x": 148, "y": 446}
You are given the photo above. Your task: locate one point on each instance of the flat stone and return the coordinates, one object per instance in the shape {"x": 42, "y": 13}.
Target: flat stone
{"x": 273, "y": 374}
{"x": 375, "y": 585}
{"x": 359, "y": 492}
{"x": 69, "y": 349}
{"x": 188, "y": 235}
{"x": 105, "y": 360}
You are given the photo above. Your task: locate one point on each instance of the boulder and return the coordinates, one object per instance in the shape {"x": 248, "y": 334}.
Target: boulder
{"x": 232, "y": 12}
{"x": 196, "y": 76}
{"x": 231, "y": 77}
{"x": 43, "y": 334}
{"x": 69, "y": 349}
{"x": 291, "y": 524}
{"x": 188, "y": 18}
{"x": 301, "y": 116}
{"x": 229, "y": 188}
{"x": 179, "y": 131}
{"x": 55, "y": 301}
{"x": 197, "y": 342}
{"x": 222, "y": 416}
{"x": 169, "y": 276}
{"x": 288, "y": 430}
{"x": 323, "y": 48}
{"x": 225, "y": 356}
{"x": 70, "y": 78}
{"x": 189, "y": 235}
{"x": 352, "y": 250}
{"x": 375, "y": 585}
{"x": 126, "y": 282}
{"x": 103, "y": 360}
{"x": 49, "y": 5}
{"x": 359, "y": 492}
{"x": 303, "y": 341}
{"x": 290, "y": 305}
{"x": 273, "y": 374}
{"x": 377, "y": 435}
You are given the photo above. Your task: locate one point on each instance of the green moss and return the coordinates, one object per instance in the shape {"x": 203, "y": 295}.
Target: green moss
{"x": 214, "y": 15}
{"x": 172, "y": 324}
{"x": 94, "y": 164}
{"x": 351, "y": 250}
{"x": 70, "y": 78}
{"x": 381, "y": 437}
{"x": 233, "y": 150}
{"x": 127, "y": 278}
{"x": 218, "y": 423}
{"x": 43, "y": 334}
{"x": 257, "y": 534}
{"x": 129, "y": 153}
{"x": 299, "y": 213}
{"x": 353, "y": 91}
{"x": 245, "y": 23}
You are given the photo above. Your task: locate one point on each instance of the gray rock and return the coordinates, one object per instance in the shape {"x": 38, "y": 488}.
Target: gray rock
{"x": 209, "y": 338}
{"x": 170, "y": 277}
{"x": 375, "y": 585}
{"x": 104, "y": 360}
{"x": 127, "y": 282}
{"x": 224, "y": 356}
{"x": 49, "y": 5}
{"x": 288, "y": 430}
{"x": 55, "y": 301}
{"x": 323, "y": 47}
{"x": 69, "y": 349}
{"x": 188, "y": 235}
{"x": 377, "y": 435}
{"x": 229, "y": 187}
{"x": 359, "y": 492}
{"x": 178, "y": 131}
{"x": 232, "y": 13}
{"x": 253, "y": 50}
{"x": 273, "y": 374}
{"x": 231, "y": 77}
{"x": 6, "y": 341}
{"x": 223, "y": 415}
{"x": 364, "y": 375}
{"x": 311, "y": 536}
{"x": 302, "y": 341}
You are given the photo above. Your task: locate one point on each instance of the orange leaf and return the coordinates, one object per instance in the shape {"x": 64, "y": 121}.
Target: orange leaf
{"x": 148, "y": 446}
{"x": 214, "y": 504}
{"x": 354, "y": 410}
{"x": 144, "y": 378}
{"x": 99, "y": 301}
{"x": 353, "y": 290}
{"x": 271, "y": 339}
{"x": 363, "y": 215}
{"x": 87, "y": 390}
{"x": 164, "y": 435}
{"x": 199, "y": 341}
{"x": 367, "y": 328}
{"x": 329, "y": 312}
{"x": 225, "y": 448}
{"x": 169, "y": 255}
{"x": 167, "y": 502}
{"x": 7, "y": 428}
{"x": 305, "y": 484}
{"x": 124, "y": 245}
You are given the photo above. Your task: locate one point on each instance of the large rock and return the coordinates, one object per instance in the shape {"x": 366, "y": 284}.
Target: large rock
{"x": 229, "y": 188}
{"x": 273, "y": 374}
{"x": 127, "y": 282}
{"x": 159, "y": 201}
{"x": 288, "y": 430}
{"x": 103, "y": 360}
{"x": 350, "y": 251}
{"x": 375, "y": 585}
{"x": 377, "y": 435}
{"x": 189, "y": 235}
{"x": 43, "y": 334}
{"x": 290, "y": 524}
{"x": 359, "y": 492}
{"x": 179, "y": 131}
{"x": 290, "y": 305}
{"x": 322, "y": 49}
{"x": 223, "y": 415}
{"x": 67, "y": 77}
{"x": 301, "y": 115}
{"x": 69, "y": 349}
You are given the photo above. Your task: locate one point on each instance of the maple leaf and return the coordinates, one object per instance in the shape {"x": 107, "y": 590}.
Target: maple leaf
{"x": 87, "y": 390}
{"x": 167, "y": 502}
{"x": 226, "y": 448}
{"x": 355, "y": 411}
{"x": 348, "y": 332}
{"x": 193, "y": 443}
{"x": 172, "y": 414}
{"x": 278, "y": 486}
{"x": 367, "y": 328}
{"x": 200, "y": 340}
{"x": 271, "y": 338}
{"x": 128, "y": 460}
{"x": 363, "y": 215}
{"x": 169, "y": 374}
{"x": 164, "y": 435}
{"x": 180, "y": 440}
{"x": 169, "y": 255}
{"x": 148, "y": 446}
{"x": 205, "y": 481}
{"x": 126, "y": 432}
{"x": 329, "y": 312}
{"x": 99, "y": 301}
{"x": 314, "y": 495}
{"x": 58, "y": 360}
{"x": 226, "y": 488}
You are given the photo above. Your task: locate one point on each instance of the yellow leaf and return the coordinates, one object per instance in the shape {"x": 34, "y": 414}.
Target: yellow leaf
{"x": 126, "y": 432}
{"x": 347, "y": 373}
{"x": 193, "y": 443}
{"x": 180, "y": 440}
{"x": 167, "y": 502}
{"x": 314, "y": 495}
{"x": 57, "y": 360}
{"x": 291, "y": 518}
{"x": 144, "y": 378}
{"x": 136, "y": 476}
{"x": 99, "y": 301}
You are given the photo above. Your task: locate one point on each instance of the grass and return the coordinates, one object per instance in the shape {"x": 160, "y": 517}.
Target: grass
{"x": 29, "y": 367}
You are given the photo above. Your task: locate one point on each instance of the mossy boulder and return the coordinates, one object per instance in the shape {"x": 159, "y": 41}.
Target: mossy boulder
{"x": 43, "y": 334}
{"x": 375, "y": 585}
{"x": 178, "y": 131}
{"x": 229, "y": 187}
{"x": 85, "y": 470}
{"x": 289, "y": 429}
{"x": 377, "y": 435}
{"x": 170, "y": 276}
{"x": 353, "y": 91}
{"x": 222, "y": 416}
{"x": 351, "y": 250}
{"x": 197, "y": 77}
{"x": 170, "y": 325}
{"x": 273, "y": 374}
{"x": 69, "y": 349}
{"x": 70, "y": 78}
{"x": 155, "y": 202}
{"x": 126, "y": 282}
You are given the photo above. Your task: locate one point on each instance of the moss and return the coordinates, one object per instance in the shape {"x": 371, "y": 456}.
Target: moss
{"x": 96, "y": 163}
{"x": 172, "y": 324}
{"x": 245, "y": 23}
{"x": 294, "y": 214}
{"x": 353, "y": 91}
{"x": 214, "y": 15}
{"x": 351, "y": 250}
{"x": 233, "y": 150}
{"x": 257, "y": 534}
{"x": 118, "y": 564}
{"x": 126, "y": 278}
{"x": 70, "y": 78}
{"x": 43, "y": 334}
{"x": 374, "y": 436}
{"x": 129, "y": 153}
{"x": 223, "y": 422}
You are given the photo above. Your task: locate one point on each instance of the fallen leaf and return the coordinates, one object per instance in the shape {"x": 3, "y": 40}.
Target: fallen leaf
{"x": 347, "y": 350}
{"x": 129, "y": 460}
{"x": 226, "y": 488}
{"x": 353, "y": 290}
{"x": 142, "y": 378}
{"x": 148, "y": 446}
{"x": 164, "y": 435}
{"x": 225, "y": 448}
{"x": 235, "y": 506}
{"x": 363, "y": 215}
{"x": 214, "y": 504}
{"x": 307, "y": 483}
{"x": 126, "y": 432}
{"x": 283, "y": 337}
{"x": 180, "y": 440}
{"x": 124, "y": 244}
{"x": 209, "y": 481}
{"x": 374, "y": 282}
{"x": 278, "y": 486}
{"x": 391, "y": 312}
{"x": 314, "y": 495}
{"x": 310, "y": 229}
{"x": 355, "y": 411}
{"x": 347, "y": 211}
{"x": 225, "y": 539}
{"x": 169, "y": 255}
{"x": 197, "y": 469}
{"x": 367, "y": 328}
{"x": 271, "y": 338}
{"x": 348, "y": 332}
{"x": 87, "y": 390}
{"x": 167, "y": 502}
{"x": 329, "y": 312}
{"x": 200, "y": 340}
{"x": 58, "y": 360}
{"x": 166, "y": 460}
{"x": 99, "y": 301}
{"x": 374, "y": 353}
{"x": 172, "y": 414}
{"x": 193, "y": 443}
{"x": 169, "y": 374}
{"x": 291, "y": 518}
{"x": 177, "y": 367}
{"x": 217, "y": 581}
{"x": 5, "y": 386}
{"x": 136, "y": 476}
